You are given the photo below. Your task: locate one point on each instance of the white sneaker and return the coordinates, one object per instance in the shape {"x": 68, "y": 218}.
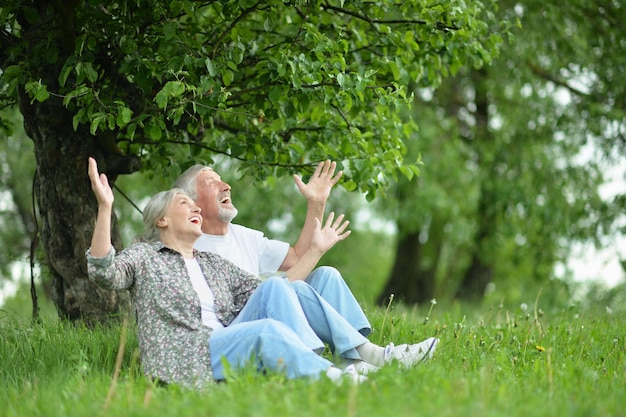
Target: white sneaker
{"x": 362, "y": 367}
{"x": 349, "y": 373}
{"x": 409, "y": 355}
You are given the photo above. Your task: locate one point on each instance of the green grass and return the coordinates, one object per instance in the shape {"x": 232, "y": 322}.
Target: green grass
{"x": 492, "y": 361}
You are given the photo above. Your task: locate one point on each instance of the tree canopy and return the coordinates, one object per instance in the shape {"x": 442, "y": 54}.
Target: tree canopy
{"x": 273, "y": 84}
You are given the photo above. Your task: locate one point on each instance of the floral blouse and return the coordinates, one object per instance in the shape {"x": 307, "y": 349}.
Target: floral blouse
{"x": 173, "y": 342}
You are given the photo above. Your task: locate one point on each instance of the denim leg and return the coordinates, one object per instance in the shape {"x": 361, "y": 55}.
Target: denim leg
{"x": 329, "y": 283}
{"x": 327, "y": 323}
{"x": 276, "y": 299}
{"x": 268, "y": 345}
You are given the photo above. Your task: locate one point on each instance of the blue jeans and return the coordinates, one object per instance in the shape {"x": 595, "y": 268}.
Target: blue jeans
{"x": 329, "y": 283}
{"x": 266, "y": 344}
{"x": 301, "y": 321}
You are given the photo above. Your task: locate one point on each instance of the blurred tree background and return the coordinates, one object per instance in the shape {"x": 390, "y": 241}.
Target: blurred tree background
{"x": 514, "y": 157}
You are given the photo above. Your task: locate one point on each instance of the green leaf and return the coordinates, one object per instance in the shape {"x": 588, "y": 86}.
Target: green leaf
{"x": 276, "y": 94}
{"x": 350, "y": 185}
{"x": 154, "y": 132}
{"x": 227, "y": 77}
{"x": 37, "y": 91}
{"x": 171, "y": 89}
{"x": 10, "y": 73}
{"x": 65, "y": 73}
{"x": 210, "y": 67}
{"x": 176, "y": 7}
{"x": 78, "y": 118}
{"x": 341, "y": 79}
{"x": 85, "y": 70}
{"x": 96, "y": 120}
{"x": 406, "y": 171}
{"x": 123, "y": 117}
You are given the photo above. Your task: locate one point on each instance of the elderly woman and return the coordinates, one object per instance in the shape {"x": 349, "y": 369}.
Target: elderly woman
{"x": 195, "y": 310}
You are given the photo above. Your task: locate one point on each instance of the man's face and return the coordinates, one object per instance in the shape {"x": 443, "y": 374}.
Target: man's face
{"x": 214, "y": 198}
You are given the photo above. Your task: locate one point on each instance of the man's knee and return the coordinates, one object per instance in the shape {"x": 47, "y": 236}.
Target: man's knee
{"x": 325, "y": 275}
{"x": 301, "y": 287}
{"x": 327, "y": 270}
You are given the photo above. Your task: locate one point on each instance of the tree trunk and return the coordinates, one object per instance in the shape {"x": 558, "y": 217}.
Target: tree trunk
{"x": 409, "y": 281}
{"x": 480, "y": 271}
{"x": 475, "y": 280}
{"x": 67, "y": 209}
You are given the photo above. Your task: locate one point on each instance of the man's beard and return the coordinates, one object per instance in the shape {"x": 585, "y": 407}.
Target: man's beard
{"x": 226, "y": 215}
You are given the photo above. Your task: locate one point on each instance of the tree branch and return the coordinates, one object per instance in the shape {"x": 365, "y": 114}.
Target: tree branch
{"x": 7, "y": 39}
{"x": 541, "y": 73}
{"x": 343, "y": 116}
{"x": 303, "y": 16}
{"x": 65, "y": 10}
{"x": 232, "y": 25}
{"x": 437, "y": 25}
{"x": 9, "y": 103}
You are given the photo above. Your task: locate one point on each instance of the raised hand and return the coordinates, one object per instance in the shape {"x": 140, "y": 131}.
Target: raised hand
{"x": 101, "y": 238}
{"x": 334, "y": 230}
{"x": 100, "y": 185}
{"x": 321, "y": 182}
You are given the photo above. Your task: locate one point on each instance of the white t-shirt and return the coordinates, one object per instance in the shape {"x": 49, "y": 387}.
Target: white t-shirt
{"x": 207, "y": 300}
{"x": 247, "y": 248}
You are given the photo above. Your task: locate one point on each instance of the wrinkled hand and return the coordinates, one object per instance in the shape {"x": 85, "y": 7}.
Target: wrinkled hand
{"x": 100, "y": 185}
{"x": 334, "y": 231}
{"x": 321, "y": 182}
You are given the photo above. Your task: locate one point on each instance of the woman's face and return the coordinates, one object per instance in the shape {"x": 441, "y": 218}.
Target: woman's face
{"x": 182, "y": 217}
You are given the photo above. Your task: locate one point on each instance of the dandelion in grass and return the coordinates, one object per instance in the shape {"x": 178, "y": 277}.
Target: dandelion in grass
{"x": 540, "y": 348}
{"x": 432, "y": 305}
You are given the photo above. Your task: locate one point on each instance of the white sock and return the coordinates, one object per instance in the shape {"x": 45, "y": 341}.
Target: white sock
{"x": 372, "y": 353}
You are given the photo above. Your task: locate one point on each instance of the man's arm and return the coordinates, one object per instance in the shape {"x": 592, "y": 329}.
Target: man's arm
{"x": 316, "y": 193}
{"x": 322, "y": 240}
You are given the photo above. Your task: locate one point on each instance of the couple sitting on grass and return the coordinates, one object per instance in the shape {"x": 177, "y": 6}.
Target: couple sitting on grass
{"x": 198, "y": 311}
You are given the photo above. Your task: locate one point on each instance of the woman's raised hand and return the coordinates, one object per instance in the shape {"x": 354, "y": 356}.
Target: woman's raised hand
{"x": 100, "y": 184}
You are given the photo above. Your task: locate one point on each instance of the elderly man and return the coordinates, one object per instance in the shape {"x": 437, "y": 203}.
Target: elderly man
{"x": 252, "y": 251}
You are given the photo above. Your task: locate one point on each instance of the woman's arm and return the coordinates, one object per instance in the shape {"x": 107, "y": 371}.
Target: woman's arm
{"x": 103, "y": 266}
{"x": 101, "y": 238}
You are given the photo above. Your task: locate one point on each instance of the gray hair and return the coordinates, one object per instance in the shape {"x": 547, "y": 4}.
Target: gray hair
{"x": 154, "y": 211}
{"x": 187, "y": 180}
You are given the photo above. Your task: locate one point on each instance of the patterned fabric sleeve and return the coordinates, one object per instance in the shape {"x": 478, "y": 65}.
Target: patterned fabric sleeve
{"x": 111, "y": 272}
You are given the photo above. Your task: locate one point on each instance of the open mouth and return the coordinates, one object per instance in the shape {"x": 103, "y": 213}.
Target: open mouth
{"x": 196, "y": 220}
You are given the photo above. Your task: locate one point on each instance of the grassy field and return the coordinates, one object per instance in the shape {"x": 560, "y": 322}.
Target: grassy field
{"x": 492, "y": 361}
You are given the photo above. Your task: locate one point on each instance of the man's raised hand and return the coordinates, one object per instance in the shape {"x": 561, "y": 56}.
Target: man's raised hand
{"x": 321, "y": 182}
